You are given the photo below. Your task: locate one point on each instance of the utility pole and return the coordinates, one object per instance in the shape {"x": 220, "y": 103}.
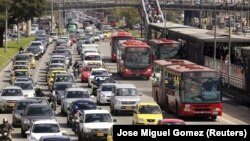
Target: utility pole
{"x": 215, "y": 38}
{"x": 6, "y": 29}
{"x": 51, "y": 30}
{"x": 165, "y": 24}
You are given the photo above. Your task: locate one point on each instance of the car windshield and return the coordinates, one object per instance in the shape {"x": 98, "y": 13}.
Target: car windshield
{"x": 41, "y": 100}
{"x": 62, "y": 87}
{"x": 107, "y": 88}
{"x": 149, "y": 109}
{"x": 20, "y": 67}
{"x": 99, "y": 117}
{"x": 126, "y": 92}
{"x": 57, "y": 61}
{"x": 137, "y": 58}
{"x": 165, "y": 51}
{"x": 77, "y": 94}
{"x": 22, "y": 57}
{"x": 22, "y": 105}
{"x": 99, "y": 73}
{"x": 40, "y": 111}
{"x": 12, "y": 92}
{"x": 25, "y": 86}
{"x": 45, "y": 128}
{"x": 64, "y": 79}
{"x": 21, "y": 73}
{"x": 88, "y": 105}
{"x": 92, "y": 57}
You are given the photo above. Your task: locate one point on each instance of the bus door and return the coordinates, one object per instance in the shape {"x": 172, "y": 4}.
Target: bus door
{"x": 156, "y": 82}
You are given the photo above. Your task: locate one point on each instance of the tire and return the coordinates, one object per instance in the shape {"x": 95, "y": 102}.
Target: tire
{"x": 177, "y": 110}
{"x": 23, "y": 133}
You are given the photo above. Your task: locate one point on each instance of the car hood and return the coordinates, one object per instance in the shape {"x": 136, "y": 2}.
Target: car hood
{"x": 85, "y": 73}
{"x": 29, "y": 93}
{"x": 70, "y": 100}
{"x": 5, "y": 98}
{"x": 37, "y": 136}
{"x": 150, "y": 116}
{"x": 128, "y": 98}
{"x": 99, "y": 125}
{"x": 106, "y": 93}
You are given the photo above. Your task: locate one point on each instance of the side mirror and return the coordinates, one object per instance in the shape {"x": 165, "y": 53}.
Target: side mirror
{"x": 27, "y": 132}
{"x": 92, "y": 97}
{"x": 114, "y": 120}
{"x": 64, "y": 132}
{"x": 140, "y": 93}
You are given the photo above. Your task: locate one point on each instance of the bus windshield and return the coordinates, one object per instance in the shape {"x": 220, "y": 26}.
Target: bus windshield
{"x": 165, "y": 51}
{"x": 201, "y": 90}
{"x": 137, "y": 58}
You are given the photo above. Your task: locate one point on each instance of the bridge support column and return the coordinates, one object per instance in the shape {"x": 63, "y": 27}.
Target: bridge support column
{"x": 149, "y": 33}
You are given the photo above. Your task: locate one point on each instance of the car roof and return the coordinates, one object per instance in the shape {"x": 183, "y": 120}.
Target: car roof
{"x": 148, "y": 103}
{"x": 27, "y": 100}
{"x": 83, "y": 100}
{"x": 77, "y": 89}
{"x": 108, "y": 84}
{"x": 99, "y": 69}
{"x": 92, "y": 53}
{"x": 96, "y": 111}
{"x": 55, "y": 137}
{"x": 26, "y": 82}
{"x": 46, "y": 121}
{"x": 63, "y": 83}
{"x": 125, "y": 86}
{"x": 12, "y": 87}
{"x": 38, "y": 105}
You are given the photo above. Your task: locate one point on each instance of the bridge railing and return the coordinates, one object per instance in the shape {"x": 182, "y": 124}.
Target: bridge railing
{"x": 145, "y": 13}
{"x": 237, "y": 76}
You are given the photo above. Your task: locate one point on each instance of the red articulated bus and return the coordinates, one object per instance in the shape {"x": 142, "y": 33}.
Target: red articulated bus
{"x": 188, "y": 89}
{"x": 164, "y": 48}
{"x": 134, "y": 59}
{"x": 115, "y": 38}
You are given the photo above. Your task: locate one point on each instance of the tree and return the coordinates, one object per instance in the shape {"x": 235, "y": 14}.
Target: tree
{"x": 20, "y": 11}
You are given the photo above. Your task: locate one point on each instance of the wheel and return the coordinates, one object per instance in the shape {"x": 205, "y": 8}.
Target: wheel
{"x": 23, "y": 133}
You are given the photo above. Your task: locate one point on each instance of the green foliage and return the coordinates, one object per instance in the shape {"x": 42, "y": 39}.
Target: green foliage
{"x": 131, "y": 15}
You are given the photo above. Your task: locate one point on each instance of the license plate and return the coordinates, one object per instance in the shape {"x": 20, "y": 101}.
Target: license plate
{"x": 99, "y": 134}
{"x": 128, "y": 107}
{"x": 11, "y": 104}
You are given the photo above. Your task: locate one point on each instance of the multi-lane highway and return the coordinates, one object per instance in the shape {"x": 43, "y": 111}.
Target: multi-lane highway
{"x": 233, "y": 113}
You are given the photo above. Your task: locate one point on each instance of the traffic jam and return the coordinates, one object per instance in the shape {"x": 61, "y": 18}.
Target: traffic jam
{"x": 80, "y": 87}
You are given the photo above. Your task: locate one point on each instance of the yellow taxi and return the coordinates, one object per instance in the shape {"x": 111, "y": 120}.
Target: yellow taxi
{"x": 54, "y": 69}
{"x": 50, "y": 78}
{"x": 107, "y": 34}
{"x": 20, "y": 73}
{"x": 147, "y": 113}
{"x": 32, "y": 59}
{"x": 110, "y": 134}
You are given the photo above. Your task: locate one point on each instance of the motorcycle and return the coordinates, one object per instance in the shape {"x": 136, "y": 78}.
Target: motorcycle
{"x": 39, "y": 92}
{"x": 52, "y": 101}
{"x": 5, "y": 134}
{"x": 76, "y": 72}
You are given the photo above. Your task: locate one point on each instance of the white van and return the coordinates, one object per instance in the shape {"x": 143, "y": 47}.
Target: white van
{"x": 92, "y": 58}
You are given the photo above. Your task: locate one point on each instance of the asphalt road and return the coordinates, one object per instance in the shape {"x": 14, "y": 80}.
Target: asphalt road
{"x": 233, "y": 113}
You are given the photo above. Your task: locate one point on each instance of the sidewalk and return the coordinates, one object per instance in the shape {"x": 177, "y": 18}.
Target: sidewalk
{"x": 237, "y": 95}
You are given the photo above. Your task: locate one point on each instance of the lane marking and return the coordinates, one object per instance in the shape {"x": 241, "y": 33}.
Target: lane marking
{"x": 228, "y": 121}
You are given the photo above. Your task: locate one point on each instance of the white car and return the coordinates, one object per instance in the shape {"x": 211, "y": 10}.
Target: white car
{"x": 94, "y": 72}
{"x": 92, "y": 58}
{"x": 94, "y": 124}
{"x": 9, "y": 96}
{"x": 43, "y": 128}
{"x": 38, "y": 43}
{"x": 27, "y": 88}
{"x": 104, "y": 93}
{"x": 71, "y": 95}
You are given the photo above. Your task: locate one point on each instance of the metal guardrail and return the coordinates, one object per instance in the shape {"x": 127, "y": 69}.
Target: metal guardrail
{"x": 237, "y": 76}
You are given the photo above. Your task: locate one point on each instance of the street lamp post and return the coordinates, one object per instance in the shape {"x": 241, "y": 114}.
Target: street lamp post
{"x": 215, "y": 38}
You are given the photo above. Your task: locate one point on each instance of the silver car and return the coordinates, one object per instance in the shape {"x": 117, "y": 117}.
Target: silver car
{"x": 124, "y": 98}
{"x": 9, "y": 96}
{"x": 104, "y": 93}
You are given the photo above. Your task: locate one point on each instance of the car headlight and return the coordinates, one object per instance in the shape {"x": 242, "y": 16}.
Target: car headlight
{"x": 140, "y": 120}
{"x": 87, "y": 130}
{"x": 17, "y": 116}
{"x": 26, "y": 121}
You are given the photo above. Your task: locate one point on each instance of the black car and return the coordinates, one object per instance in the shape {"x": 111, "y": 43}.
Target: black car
{"x": 36, "y": 50}
{"x": 82, "y": 105}
{"x": 98, "y": 80}
{"x": 34, "y": 112}
{"x": 19, "y": 108}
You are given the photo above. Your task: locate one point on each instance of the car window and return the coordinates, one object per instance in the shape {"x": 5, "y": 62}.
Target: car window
{"x": 100, "y": 117}
{"x": 126, "y": 92}
{"x": 12, "y": 92}
{"x": 24, "y": 86}
{"x": 77, "y": 94}
{"x": 45, "y": 128}
{"x": 149, "y": 109}
{"x": 85, "y": 105}
{"x": 23, "y": 105}
{"x": 39, "y": 111}
{"x": 107, "y": 87}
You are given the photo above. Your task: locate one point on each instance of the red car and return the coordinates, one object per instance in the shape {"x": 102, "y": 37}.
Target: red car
{"x": 85, "y": 71}
{"x": 171, "y": 122}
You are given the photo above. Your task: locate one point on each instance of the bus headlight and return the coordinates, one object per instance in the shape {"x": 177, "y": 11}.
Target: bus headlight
{"x": 187, "y": 108}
